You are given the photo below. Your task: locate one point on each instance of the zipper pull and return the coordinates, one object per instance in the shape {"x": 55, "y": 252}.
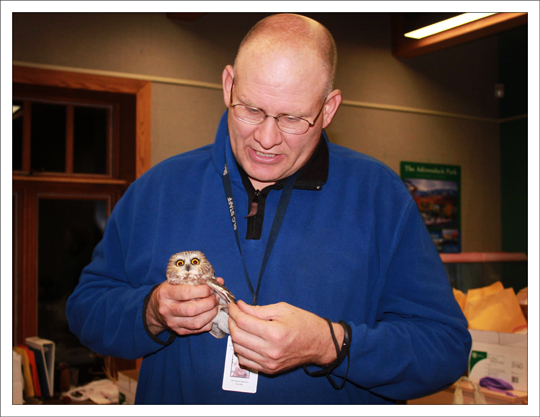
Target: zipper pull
{"x": 254, "y": 205}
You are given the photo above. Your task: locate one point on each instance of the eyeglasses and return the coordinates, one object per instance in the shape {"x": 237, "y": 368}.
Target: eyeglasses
{"x": 286, "y": 123}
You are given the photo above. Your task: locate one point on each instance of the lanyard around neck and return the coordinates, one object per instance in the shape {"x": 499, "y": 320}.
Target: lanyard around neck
{"x": 276, "y": 225}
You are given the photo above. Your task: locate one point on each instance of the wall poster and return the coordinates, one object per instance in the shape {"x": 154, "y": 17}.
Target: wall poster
{"x": 436, "y": 190}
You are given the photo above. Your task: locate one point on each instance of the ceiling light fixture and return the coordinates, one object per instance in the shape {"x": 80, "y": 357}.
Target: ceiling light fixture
{"x": 446, "y": 24}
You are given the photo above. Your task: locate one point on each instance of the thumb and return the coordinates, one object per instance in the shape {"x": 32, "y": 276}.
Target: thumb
{"x": 261, "y": 312}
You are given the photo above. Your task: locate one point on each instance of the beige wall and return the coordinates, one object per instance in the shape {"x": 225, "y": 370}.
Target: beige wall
{"x": 457, "y": 80}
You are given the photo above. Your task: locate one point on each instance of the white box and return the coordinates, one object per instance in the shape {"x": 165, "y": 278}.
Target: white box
{"x": 499, "y": 355}
{"x": 127, "y": 386}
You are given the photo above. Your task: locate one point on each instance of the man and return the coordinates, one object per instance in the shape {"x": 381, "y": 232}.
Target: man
{"x": 351, "y": 303}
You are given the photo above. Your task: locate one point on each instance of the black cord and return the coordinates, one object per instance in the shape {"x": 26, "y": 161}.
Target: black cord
{"x": 341, "y": 355}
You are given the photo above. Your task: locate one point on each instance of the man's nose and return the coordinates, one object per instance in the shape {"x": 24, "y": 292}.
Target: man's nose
{"x": 268, "y": 133}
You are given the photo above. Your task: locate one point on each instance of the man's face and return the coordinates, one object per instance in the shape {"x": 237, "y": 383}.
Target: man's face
{"x": 266, "y": 153}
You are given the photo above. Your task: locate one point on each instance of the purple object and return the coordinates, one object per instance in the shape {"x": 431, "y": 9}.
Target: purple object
{"x": 497, "y": 384}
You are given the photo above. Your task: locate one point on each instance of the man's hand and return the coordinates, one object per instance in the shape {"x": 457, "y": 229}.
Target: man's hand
{"x": 185, "y": 309}
{"x": 278, "y": 337}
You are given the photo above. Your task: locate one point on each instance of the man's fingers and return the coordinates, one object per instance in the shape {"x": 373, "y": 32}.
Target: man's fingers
{"x": 255, "y": 361}
{"x": 279, "y": 336}
{"x": 195, "y": 324}
{"x": 240, "y": 335}
{"x": 247, "y": 322}
{"x": 187, "y": 309}
{"x": 194, "y": 307}
{"x": 249, "y": 357}
{"x": 268, "y": 312}
{"x": 247, "y": 363}
{"x": 256, "y": 311}
{"x": 182, "y": 292}
{"x": 253, "y": 342}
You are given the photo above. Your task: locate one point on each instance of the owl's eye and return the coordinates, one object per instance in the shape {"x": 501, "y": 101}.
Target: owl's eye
{"x": 179, "y": 262}
{"x": 195, "y": 261}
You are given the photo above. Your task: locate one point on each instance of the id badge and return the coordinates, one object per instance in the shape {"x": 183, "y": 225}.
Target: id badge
{"x": 236, "y": 378}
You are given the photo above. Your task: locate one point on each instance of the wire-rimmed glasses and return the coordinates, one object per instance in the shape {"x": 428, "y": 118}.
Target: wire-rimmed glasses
{"x": 285, "y": 122}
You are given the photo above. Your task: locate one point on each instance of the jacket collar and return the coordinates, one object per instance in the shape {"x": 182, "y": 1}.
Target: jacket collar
{"x": 314, "y": 174}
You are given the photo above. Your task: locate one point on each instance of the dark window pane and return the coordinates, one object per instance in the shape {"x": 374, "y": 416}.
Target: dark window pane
{"x": 17, "y": 134}
{"x": 68, "y": 233}
{"x": 48, "y": 147}
{"x": 90, "y": 140}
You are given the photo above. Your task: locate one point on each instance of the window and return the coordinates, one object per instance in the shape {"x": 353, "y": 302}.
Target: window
{"x": 78, "y": 142}
{"x": 69, "y": 138}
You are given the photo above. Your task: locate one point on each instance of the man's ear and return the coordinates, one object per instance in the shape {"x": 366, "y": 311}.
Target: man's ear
{"x": 227, "y": 81}
{"x": 333, "y": 101}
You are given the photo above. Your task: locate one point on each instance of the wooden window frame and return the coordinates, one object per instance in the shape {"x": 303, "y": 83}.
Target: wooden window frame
{"x": 28, "y": 189}
{"x": 70, "y": 104}
{"x": 26, "y": 227}
{"x": 139, "y": 88}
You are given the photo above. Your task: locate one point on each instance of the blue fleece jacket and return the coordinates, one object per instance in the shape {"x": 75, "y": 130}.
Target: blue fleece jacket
{"x": 355, "y": 250}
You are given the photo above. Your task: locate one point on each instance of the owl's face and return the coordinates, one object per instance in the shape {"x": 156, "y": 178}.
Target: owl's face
{"x": 189, "y": 267}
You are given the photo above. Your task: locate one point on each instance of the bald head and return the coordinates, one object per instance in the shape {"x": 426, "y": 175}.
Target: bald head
{"x": 299, "y": 38}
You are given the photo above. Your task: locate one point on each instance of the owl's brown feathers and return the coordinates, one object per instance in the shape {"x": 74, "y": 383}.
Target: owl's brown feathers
{"x": 192, "y": 268}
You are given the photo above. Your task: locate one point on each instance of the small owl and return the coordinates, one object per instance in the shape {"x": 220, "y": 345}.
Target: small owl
{"x": 192, "y": 268}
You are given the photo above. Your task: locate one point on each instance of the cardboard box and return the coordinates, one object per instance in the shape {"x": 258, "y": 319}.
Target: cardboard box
{"x": 499, "y": 355}
{"x": 447, "y": 395}
{"x": 127, "y": 386}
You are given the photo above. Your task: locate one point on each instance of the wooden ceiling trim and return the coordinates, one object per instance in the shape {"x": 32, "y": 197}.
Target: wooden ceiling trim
{"x": 403, "y": 47}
